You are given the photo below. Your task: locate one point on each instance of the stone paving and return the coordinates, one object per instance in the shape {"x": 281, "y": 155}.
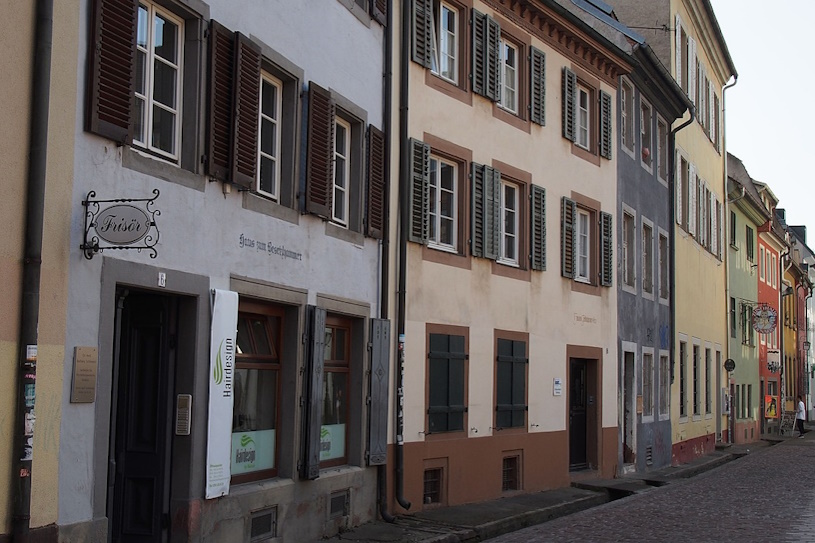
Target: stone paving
{"x": 768, "y": 495}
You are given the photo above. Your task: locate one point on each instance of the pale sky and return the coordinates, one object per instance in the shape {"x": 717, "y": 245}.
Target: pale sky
{"x": 770, "y": 111}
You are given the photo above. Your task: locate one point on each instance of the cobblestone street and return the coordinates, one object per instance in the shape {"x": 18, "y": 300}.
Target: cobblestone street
{"x": 766, "y": 496}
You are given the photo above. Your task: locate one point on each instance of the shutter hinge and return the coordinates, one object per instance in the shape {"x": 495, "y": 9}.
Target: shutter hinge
{"x": 368, "y": 400}
{"x": 370, "y": 346}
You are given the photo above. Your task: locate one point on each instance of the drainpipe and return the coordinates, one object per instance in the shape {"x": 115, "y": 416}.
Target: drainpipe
{"x": 726, "y": 260}
{"x": 672, "y": 235}
{"x": 783, "y": 369}
{"x": 32, "y": 262}
{"x": 384, "y": 249}
{"x": 404, "y": 179}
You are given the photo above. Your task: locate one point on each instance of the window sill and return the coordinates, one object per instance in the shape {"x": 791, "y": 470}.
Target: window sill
{"x": 344, "y": 234}
{"x": 259, "y": 204}
{"x": 683, "y": 419}
{"x": 588, "y": 156}
{"x": 631, "y": 289}
{"x": 448, "y": 258}
{"x": 585, "y": 287}
{"x": 663, "y": 418}
{"x": 135, "y": 160}
{"x": 459, "y": 92}
{"x": 512, "y": 119}
{"x": 511, "y": 270}
{"x": 358, "y": 12}
{"x": 697, "y": 418}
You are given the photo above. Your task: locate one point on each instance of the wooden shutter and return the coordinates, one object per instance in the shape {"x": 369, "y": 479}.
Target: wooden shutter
{"x": 714, "y": 224}
{"x": 375, "y": 221}
{"x": 486, "y": 211}
{"x": 421, "y": 20}
{"x": 313, "y": 391}
{"x": 220, "y": 121}
{"x": 510, "y": 394}
{"x": 486, "y": 56}
{"x": 112, "y": 58}
{"x": 537, "y": 86}
{"x": 605, "y": 125}
{"x": 379, "y": 386}
{"x": 537, "y": 227}
{"x": 692, "y": 200}
{"x": 246, "y": 112}
{"x": 678, "y": 186}
{"x": 568, "y": 213}
{"x": 606, "y": 248}
{"x": 678, "y": 41}
{"x": 379, "y": 11}
{"x": 419, "y": 191}
{"x": 569, "y": 91}
{"x": 692, "y": 70}
{"x": 446, "y": 395}
{"x": 320, "y": 152}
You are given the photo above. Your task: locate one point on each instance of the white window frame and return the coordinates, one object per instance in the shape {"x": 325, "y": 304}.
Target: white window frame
{"x": 583, "y": 249}
{"x": 434, "y": 205}
{"x": 268, "y": 79}
{"x": 440, "y": 36}
{"x": 509, "y": 76}
{"x": 663, "y": 162}
{"x": 647, "y": 379}
{"x": 664, "y": 278}
{"x": 775, "y": 271}
{"x": 647, "y": 251}
{"x": 339, "y": 190}
{"x": 762, "y": 270}
{"x": 629, "y": 252}
{"x": 149, "y": 68}
{"x": 510, "y": 214}
{"x": 646, "y": 132}
{"x": 583, "y": 127}
{"x": 696, "y": 360}
{"x": 627, "y": 116}
{"x": 664, "y": 385}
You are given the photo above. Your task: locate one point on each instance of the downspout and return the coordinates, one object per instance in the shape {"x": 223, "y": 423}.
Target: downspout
{"x": 726, "y": 259}
{"x": 384, "y": 249}
{"x": 404, "y": 179}
{"x": 32, "y": 263}
{"x": 783, "y": 369}
{"x": 672, "y": 235}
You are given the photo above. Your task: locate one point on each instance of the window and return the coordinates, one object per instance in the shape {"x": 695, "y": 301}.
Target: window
{"x": 696, "y": 384}
{"x": 509, "y": 76}
{"x": 662, "y": 149}
{"x": 583, "y": 117}
{"x": 442, "y": 203}
{"x": 647, "y": 384}
{"x": 647, "y": 258}
{"x": 748, "y": 241}
{"x": 664, "y": 385}
{"x": 733, "y": 229}
{"x": 747, "y": 332}
{"x": 342, "y": 170}
{"x": 583, "y": 246}
{"x": 586, "y": 246}
{"x": 646, "y": 139}
{"x": 749, "y": 413}
{"x": 157, "y": 104}
{"x": 628, "y": 250}
{"x": 580, "y": 121}
{"x": 510, "y": 384}
{"x": 444, "y": 41}
{"x": 774, "y": 272}
{"x": 271, "y": 96}
{"x": 664, "y": 256}
{"x": 761, "y": 264}
{"x": 257, "y": 391}
{"x": 336, "y": 379}
{"x": 683, "y": 379}
{"x": 627, "y": 115}
{"x": 733, "y": 325}
{"x": 510, "y": 473}
{"x": 708, "y": 396}
{"x": 433, "y": 479}
{"x": 446, "y": 372}
{"x": 743, "y": 410}
{"x": 684, "y": 196}
{"x": 509, "y": 224}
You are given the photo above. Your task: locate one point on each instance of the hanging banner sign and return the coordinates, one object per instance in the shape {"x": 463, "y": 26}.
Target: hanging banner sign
{"x": 765, "y": 318}
{"x": 221, "y": 376}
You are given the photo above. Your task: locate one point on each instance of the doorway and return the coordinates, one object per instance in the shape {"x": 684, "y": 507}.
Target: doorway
{"x": 578, "y": 407}
{"x": 629, "y": 412}
{"x": 139, "y": 452}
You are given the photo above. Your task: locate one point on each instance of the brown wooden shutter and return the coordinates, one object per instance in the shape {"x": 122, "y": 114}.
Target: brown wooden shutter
{"x": 379, "y": 11}
{"x": 569, "y": 98}
{"x": 607, "y": 264}
{"x": 537, "y": 234}
{"x": 246, "y": 100}
{"x": 320, "y": 151}
{"x": 112, "y": 52}
{"x": 375, "y": 222}
{"x": 568, "y": 212}
{"x": 221, "y": 72}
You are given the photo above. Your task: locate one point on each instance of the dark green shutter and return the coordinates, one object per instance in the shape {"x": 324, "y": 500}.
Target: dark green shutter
{"x": 568, "y": 212}
{"x": 607, "y": 265}
{"x": 510, "y": 409}
{"x": 537, "y": 86}
{"x": 379, "y": 11}
{"x": 313, "y": 391}
{"x": 486, "y": 56}
{"x": 320, "y": 152}
{"x": 569, "y": 91}
{"x": 421, "y": 18}
{"x": 379, "y": 386}
{"x": 419, "y": 191}
{"x": 537, "y": 228}
{"x": 446, "y": 382}
{"x": 486, "y": 211}
{"x": 605, "y": 125}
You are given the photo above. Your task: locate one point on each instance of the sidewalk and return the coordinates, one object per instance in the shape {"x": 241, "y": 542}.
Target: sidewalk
{"x": 480, "y": 521}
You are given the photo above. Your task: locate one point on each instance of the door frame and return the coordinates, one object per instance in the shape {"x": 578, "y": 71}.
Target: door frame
{"x": 593, "y": 357}
{"x": 627, "y": 347}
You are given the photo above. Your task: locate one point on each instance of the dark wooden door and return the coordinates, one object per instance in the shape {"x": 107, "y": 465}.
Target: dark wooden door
{"x": 139, "y": 508}
{"x": 577, "y": 414}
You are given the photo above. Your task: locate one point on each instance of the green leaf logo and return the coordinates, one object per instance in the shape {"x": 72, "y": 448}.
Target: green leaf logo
{"x": 323, "y": 432}
{"x": 218, "y": 372}
{"x": 246, "y": 440}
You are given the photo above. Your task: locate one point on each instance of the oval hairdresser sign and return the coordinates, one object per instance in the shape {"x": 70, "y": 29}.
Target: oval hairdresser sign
{"x": 122, "y": 224}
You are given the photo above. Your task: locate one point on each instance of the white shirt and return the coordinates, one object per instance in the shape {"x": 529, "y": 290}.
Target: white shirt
{"x": 799, "y": 414}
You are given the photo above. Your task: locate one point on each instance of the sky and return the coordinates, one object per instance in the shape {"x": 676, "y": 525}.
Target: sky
{"x": 769, "y": 112}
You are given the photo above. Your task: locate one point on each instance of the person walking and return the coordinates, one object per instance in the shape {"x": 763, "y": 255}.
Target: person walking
{"x": 800, "y": 416}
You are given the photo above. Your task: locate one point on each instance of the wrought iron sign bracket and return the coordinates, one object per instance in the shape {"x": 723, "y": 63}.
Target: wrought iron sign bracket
{"x": 121, "y": 223}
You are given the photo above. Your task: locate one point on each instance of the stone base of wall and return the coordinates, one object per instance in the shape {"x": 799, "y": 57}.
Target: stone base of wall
{"x": 690, "y": 449}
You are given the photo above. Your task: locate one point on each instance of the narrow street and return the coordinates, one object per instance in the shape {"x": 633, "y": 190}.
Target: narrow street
{"x": 766, "y": 496}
